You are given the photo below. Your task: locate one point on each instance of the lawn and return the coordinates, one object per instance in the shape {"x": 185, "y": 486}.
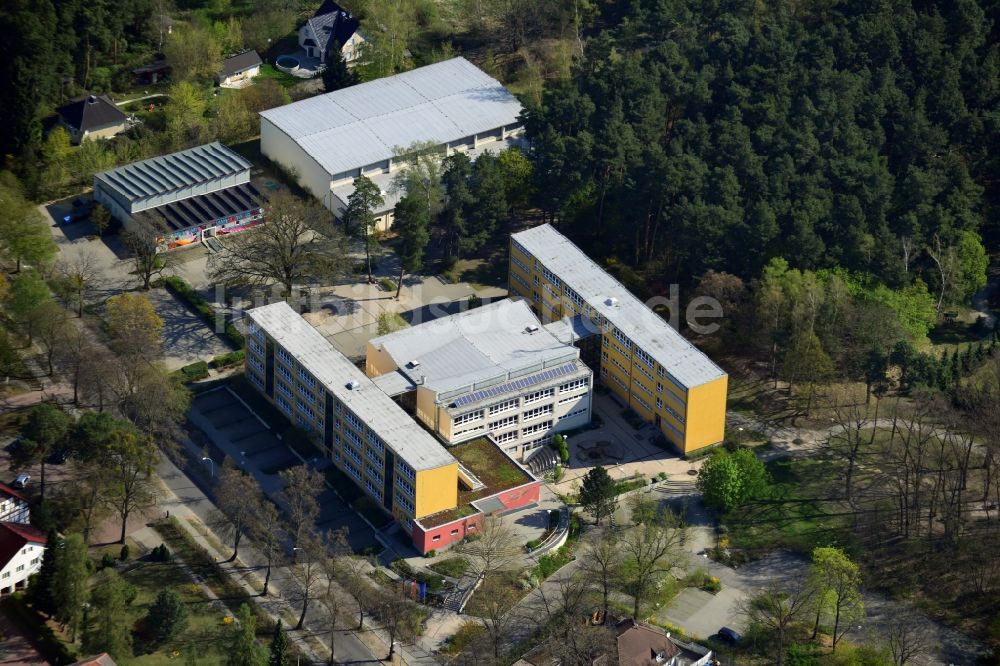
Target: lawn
{"x": 204, "y": 638}
{"x": 796, "y": 513}
{"x": 267, "y": 71}
{"x": 454, "y": 567}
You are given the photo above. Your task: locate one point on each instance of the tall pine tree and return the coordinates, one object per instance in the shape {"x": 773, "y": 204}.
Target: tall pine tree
{"x": 279, "y": 647}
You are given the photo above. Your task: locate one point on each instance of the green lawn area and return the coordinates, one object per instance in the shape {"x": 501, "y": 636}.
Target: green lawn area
{"x": 454, "y": 567}
{"x": 267, "y": 71}
{"x": 203, "y": 640}
{"x": 796, "y": 513}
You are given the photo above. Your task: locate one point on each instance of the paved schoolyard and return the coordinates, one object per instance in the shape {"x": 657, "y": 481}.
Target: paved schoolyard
{"x": 186, "y": 338}
{"x": 250, "y": 443}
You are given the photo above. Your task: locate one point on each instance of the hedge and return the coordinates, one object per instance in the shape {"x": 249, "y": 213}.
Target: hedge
{"x": 194, "y": 371}
{"x": 228, "y": 360}
{"x": 178, "y": 287}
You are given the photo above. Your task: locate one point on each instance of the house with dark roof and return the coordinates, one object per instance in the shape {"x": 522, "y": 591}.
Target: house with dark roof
{"x": 93, "y": 117}
{"x": 640, "y": 644}
{"x": 238, "y": 71}
{"x": 13, "y": 506}
{"x": 21, "y": 550}
{"x": 331, "y": 27}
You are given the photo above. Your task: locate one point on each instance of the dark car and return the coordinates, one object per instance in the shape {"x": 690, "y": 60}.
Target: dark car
{"x": 59, "y": 456}
{"x": 730, "y": 636}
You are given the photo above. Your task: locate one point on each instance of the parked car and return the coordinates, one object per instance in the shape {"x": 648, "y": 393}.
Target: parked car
{"x": 22, "y": 480}
{"x": 59, "y": 456}
{"x": 730, "y": 636}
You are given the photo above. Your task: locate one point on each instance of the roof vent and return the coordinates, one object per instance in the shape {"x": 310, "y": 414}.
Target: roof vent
{"x": 531, "y": 328}
{"x": 354, "y": 385}
{"x": 92, "y": 99}
{"x": 413, "y": 364}
{"x": 611, "y": 300}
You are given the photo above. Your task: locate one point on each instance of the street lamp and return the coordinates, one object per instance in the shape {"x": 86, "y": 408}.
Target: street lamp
{"x": 211, "y": 465}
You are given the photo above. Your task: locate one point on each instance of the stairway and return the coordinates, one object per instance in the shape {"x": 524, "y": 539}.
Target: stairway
{"x": 677, "y": 488}
{"x": 541, "y": 460}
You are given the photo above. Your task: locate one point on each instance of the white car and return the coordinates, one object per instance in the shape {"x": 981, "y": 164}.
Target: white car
{"x": 22, "y": 480}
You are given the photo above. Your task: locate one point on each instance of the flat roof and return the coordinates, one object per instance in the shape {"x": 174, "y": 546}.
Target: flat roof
{"x": 471, "y": 350}
{"x": 207, "y": 208}
{"x": 493, "y": 467}
{"x": 334, "y": 371}
{"x": 368, "y": 122}
{"x": 173, "y": 172}
{"x": 609, "y": 298}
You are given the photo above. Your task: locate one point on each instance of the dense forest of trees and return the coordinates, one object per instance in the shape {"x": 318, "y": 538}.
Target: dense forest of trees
{"x": 697, "y": 136}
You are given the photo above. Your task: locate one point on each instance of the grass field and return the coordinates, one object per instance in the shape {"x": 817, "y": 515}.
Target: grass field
{"x": 205, "y": 637}
{"x": 796, "y": 513}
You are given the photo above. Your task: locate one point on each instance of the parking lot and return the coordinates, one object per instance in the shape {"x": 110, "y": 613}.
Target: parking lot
{"x": 237, "y": 433}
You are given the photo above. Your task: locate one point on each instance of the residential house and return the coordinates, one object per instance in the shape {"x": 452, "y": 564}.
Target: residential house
{"x": 13, "y": 506}
{"x": 331, "y": 27}
{"x": 640, "y": 644}
{"x": 21, "y": 550}
{"x": 93, "y": 117}
{"x": 239, "y": 70}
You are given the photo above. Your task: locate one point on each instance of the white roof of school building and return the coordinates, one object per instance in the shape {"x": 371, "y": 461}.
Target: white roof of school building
{"x": 334, "y": 371}
{"x": 477, "y": 348}
{"x": 609, "y": 298}
{"x": 176, "y": 171}
{"x": 366, "y": 123}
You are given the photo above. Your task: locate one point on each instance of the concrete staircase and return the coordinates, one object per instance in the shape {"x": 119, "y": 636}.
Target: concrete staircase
{"x": 541, "y": 460}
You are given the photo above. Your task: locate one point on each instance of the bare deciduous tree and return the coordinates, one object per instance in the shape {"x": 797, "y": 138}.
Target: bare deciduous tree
{"x": 906, "y": 637}
{"x": 777, "y": 609}
{"x": 302, "y": 488}
{"x": 494, "y": 551}
{"x": 236, "y": 497}
{"x": 296, "y": 244}
{"x": 267, "y": 528}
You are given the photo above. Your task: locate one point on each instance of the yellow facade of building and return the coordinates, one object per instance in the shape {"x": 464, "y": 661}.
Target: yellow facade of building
{"x": 690, "y": 418}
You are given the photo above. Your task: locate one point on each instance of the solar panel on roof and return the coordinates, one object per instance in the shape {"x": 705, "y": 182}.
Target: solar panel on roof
{"x": 515, "y": 385}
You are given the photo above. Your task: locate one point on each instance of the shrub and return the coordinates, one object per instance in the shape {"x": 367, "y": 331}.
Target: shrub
{"x": 431, "y": 553}
{"x": 533, "y": 544}
{"x": 387, "y": 284}
{"x": 123, "y": 554}
{"x": 474, "y": 302}
{"x": 107, "y": 561}
{"x": 557, "y": 473}
{"x": 195, "y": 371}
{"x": 712, "y": 584}
{"x": 228, "y": 360}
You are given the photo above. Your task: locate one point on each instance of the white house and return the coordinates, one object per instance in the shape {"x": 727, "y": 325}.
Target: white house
{"x": 331, "y": 26}
{"x": 239, "y": 70}
{"x": 21, "y": 550}
{"x": 13, "y": 506}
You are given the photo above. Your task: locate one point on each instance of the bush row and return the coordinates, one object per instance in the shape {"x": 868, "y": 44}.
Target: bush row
{"x": 202, "y": 308}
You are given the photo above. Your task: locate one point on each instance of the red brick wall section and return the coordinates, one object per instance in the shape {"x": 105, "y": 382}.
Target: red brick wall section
{"x": 425, "y": 540}
{"x": 456, "y": 530}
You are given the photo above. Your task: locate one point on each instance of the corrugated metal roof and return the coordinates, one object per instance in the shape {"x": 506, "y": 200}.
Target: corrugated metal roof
{"x": 332, "y": 369}
{"x": 366, "y": 123}
{"x": 169, "y": 173}
{"x": 685, "y": 362}
{"x": 489, "y": 344}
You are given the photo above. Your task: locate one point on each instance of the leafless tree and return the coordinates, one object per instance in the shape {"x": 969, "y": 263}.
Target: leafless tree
{"x": 602, "y": 562}
{"x": 398, "y": 617}
{"x": 307, "y": 571}
{"x": 78, "y": 276}
{"x": 268, "y": 532}
{"x": 73, "y": 354}
{"x": 494, "y": 551}
{"x": 650, "y": 553}
{"x": 907, "y": 637}
{"x": 777, "y": 609}
{"x": 351, "y": 572}
{"x": 296, "y": 244}
{"x": 497, "y": 617}
{"x": 50, "y": 326}
{"x": 142, "y": 240}
{"x": 300, "y": 494}
{"x": 236, "y": 497}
